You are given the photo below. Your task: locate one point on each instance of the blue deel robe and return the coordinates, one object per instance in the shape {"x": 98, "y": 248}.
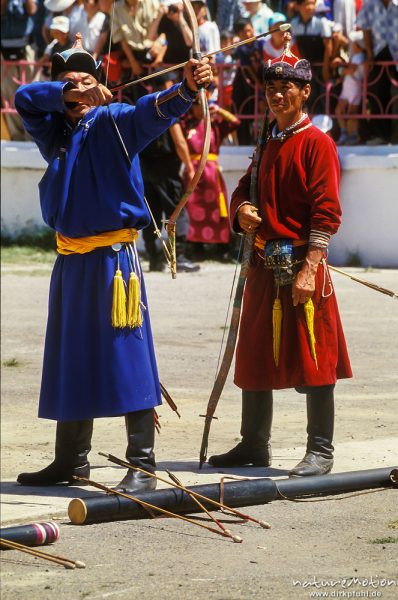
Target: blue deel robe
{"x": 91, "y": 369}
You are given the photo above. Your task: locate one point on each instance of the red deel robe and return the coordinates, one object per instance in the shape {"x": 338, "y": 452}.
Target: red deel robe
{"x": 206, "y": 224}
{"x": 298, "y": 190}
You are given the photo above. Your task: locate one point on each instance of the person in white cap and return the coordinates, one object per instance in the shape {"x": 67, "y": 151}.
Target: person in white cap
{"x": 59, "y": 30}
{"x": 66, "y": 8}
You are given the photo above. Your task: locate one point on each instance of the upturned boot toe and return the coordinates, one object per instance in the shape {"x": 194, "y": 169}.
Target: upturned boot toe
{"x": 55, "y": 474}
{"x": 312, "y": 464}
{"x": 135, "y": 482}
{"x": 242, "y": 456}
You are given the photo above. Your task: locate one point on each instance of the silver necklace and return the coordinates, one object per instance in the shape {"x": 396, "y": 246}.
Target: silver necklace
{"x": 282, "y": 135}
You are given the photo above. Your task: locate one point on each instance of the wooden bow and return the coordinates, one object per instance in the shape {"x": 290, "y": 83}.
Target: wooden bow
{"x": 235, "y": 319}
{"x": 236, "y": 311}
{"x": 171, "y": 223}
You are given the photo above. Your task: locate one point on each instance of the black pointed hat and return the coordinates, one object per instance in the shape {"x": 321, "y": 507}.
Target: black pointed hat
{"x": 74, "y": 59}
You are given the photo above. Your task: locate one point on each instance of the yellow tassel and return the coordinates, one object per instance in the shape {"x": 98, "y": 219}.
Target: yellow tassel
{"x": 223, "y": 205}
{"x": 309, "y": 317}
{"x": 119, "y": 316}
{"x": 277, "y": 328}
{"x": 221, "y": 197}
{"x": 134, "y": 315}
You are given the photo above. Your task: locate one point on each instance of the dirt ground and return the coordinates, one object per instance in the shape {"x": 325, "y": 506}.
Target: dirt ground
{"x": 330, "y": 549}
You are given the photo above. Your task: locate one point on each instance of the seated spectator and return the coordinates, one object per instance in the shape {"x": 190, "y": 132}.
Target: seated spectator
{"x": 351, "y": 94}
{"x": 171, "y": 22}
{"x": 135, "y": 29}
{"x": 16, "y": 29}
{"x": 379, "y": 22}
{"x": 313, "y": 36}
{"x": 59, "y": 29}
{"x": 259, "y": 14}
{"x": 209, "y": 34}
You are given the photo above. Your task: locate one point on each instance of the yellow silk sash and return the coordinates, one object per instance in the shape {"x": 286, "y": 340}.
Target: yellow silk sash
{"x": 126, "y": 307}
{"x": 82, "y": 245}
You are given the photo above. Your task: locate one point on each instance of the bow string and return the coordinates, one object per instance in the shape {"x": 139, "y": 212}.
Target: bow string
{"x": 171, "y": 223}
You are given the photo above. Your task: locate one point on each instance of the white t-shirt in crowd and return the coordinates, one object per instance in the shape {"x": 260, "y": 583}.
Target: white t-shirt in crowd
{"x": 209, "y": 37}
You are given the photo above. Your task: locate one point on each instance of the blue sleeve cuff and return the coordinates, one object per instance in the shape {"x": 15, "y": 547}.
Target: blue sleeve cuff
{"x": 174, "y": 102}
{"x": 187, "y": 92}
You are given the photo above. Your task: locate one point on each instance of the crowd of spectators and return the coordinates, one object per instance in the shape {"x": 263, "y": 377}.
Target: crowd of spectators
{"x": 343, "y": 39}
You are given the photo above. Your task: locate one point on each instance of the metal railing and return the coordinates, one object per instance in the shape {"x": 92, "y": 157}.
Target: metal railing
{"x": 251, "y": 106}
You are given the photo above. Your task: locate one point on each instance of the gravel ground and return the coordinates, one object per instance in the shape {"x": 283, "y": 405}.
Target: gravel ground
{"x": 330, "y": 548}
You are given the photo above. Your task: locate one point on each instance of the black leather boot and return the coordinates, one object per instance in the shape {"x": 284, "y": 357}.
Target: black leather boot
{"x": 184, "y": 265}
{"x": 140, "y": 426}
{"x": 72, "y": 445}
{"x": 318, "y": 459}
{"x": 254, "y": 449}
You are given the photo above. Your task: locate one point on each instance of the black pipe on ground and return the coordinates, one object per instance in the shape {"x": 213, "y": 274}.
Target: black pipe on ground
{"x": 236, "y": 494}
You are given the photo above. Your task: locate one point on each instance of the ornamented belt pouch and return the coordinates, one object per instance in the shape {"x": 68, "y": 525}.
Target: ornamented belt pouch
{"x": 279, "y": 255}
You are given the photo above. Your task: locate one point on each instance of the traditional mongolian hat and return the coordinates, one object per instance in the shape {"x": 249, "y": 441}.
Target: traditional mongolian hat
{"x": 75, "y": 59}
{"x": 288, "y": 66}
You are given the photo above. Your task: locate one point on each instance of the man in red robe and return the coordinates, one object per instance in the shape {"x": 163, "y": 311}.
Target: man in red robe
{"x": 290, "y": 333}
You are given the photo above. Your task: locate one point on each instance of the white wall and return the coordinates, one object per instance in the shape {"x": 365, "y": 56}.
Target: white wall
{"x": 369, "y": 196}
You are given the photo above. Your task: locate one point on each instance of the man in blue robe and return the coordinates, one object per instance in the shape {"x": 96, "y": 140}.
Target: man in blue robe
{"x": 92, "y": 195}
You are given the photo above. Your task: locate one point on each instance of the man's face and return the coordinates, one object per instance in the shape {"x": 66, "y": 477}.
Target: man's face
{"x": 285, "y": 98}
{"x": 246, "y": 33}
{"x": 81, "y": 81}
{"x": 307, "y": 9}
